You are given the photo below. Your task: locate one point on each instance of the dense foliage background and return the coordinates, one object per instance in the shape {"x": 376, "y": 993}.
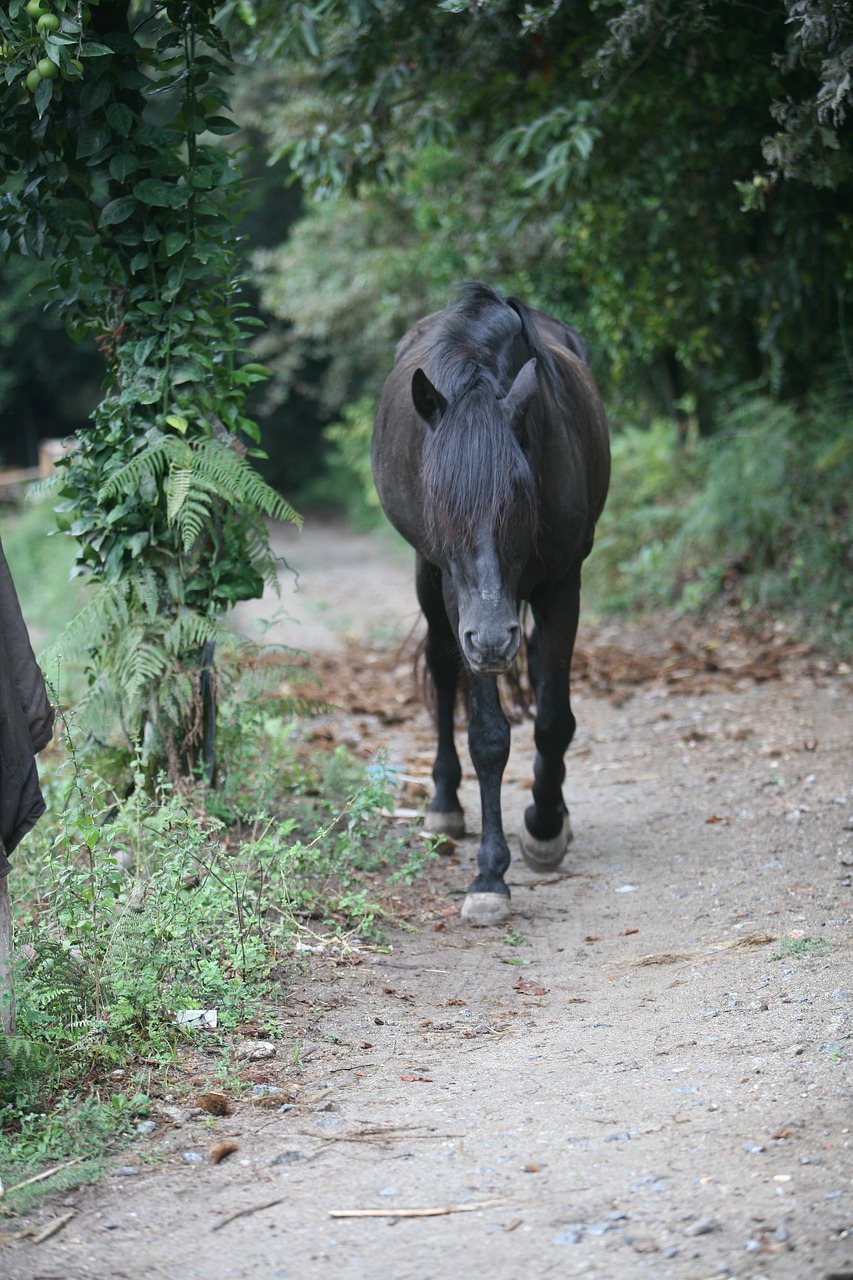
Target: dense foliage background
{"x": 672, "y": 178}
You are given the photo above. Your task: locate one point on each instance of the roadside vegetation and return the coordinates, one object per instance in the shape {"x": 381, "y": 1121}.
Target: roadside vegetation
{"x": 147, "y": 910}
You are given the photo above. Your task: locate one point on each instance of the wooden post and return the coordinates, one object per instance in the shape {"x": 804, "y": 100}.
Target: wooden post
{"x": 7, "y": 985}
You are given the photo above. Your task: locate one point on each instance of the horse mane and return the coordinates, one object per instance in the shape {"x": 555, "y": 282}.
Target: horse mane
{"x": 474, "y": 468}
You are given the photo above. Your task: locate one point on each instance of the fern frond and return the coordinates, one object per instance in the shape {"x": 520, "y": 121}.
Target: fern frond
{"x": 189, "y": 632}
{"x": 150, "y": 463}
{"x": 178, "y": 485}
{"x": 46, "y": 488}
{"x": 238, "y": 482}
{"x": 146, "y": 591}
{"x": 138, "y": 665}
{"x": 194, "y": 516}
{"x": 106, "y": 605}
{"x": 261, "y": 558}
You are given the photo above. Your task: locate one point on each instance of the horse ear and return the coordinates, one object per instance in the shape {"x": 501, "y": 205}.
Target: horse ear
{"x": 428, "y": 400}
{"x": 520, "y": 395}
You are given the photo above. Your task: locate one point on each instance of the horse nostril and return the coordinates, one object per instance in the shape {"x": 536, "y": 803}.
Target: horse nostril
{"x": 499, "y": 648}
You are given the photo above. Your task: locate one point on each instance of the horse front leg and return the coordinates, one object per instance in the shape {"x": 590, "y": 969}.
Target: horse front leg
{"x": 442, "y": 657}
{"x": 487, "y": 900}
{"x": 546, "y": 830}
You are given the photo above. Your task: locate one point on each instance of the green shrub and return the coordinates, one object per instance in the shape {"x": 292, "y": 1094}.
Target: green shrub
{"x": 759, "y": 513}
{"x": 653, "y": 477}
{"x": 772, "y": 524}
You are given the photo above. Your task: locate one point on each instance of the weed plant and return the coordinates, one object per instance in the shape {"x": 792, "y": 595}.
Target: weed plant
{"x": 135, "y": 906}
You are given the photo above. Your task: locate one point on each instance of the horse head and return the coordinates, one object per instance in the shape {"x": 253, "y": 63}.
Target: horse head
{"x": 480, "y": 500}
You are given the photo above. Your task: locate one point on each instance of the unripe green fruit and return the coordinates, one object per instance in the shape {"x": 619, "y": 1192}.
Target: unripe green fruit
{"x": 33, "y": 80}
{"x": 36, "y": 8}
{"x": 48, "y": 22}
{"x": 47, "y": 70}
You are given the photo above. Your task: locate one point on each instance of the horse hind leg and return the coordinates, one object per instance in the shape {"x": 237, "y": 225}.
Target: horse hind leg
{"x": 444, "y": 815}
{"x": 546, "y": 830}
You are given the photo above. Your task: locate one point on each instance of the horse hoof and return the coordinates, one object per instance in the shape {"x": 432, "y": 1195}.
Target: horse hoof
{"x": 545, "y": 855}
{"x": 486, "y": 908}
{"x": 451, "y": 823}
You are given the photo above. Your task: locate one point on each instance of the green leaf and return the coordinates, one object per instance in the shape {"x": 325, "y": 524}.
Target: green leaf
{"x": 161, "y": 194}
{"x": 43, "y": 95}
{"x": 117, "y": 211}
{"x": 94, "y": 94}
{"x": 221, "y": 125}
{"x": 92, "y": 139}
{"x": 174, "y": 241}
{"x": 153, "y": 191}
{"x": 123, "y": 165}
{"x": 121, "y": 118}
{"x": 308, "y": 32}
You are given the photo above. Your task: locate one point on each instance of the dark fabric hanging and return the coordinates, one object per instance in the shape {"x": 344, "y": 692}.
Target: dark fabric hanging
{"x": 26, "y": 722}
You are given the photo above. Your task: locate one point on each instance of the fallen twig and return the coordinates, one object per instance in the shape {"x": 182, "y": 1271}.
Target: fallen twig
{"x": 251, "y": 1208}
{"x": 52, "y": 1227}
{"x": 552, "y": 878}
{"x": 437, "y": 1212}
{"x": 48, "y": 1173}
{"x": 23, "y": 1234}
{"x": 379, "y": 1133}
{"x": 701, "y": 957}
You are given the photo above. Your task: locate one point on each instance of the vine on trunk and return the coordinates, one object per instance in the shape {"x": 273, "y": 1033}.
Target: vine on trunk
{"x": 115, "y": 176}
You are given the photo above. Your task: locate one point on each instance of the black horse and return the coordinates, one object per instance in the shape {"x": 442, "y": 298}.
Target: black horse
{"x": 491, "y": 457}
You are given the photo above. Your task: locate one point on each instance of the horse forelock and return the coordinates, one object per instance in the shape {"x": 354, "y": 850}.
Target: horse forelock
{"x": 475, "y": 474}
{"x": 474, "y": 470}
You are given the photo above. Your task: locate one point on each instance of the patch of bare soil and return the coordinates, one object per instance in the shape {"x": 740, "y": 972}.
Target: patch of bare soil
{"x": 647, "y": 1073}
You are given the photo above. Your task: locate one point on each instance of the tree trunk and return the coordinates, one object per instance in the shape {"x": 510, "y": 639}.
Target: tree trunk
{"x": 7, "y": 986}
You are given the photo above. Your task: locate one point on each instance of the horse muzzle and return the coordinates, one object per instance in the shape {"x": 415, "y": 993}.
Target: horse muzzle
{"x": 490, "y": 650}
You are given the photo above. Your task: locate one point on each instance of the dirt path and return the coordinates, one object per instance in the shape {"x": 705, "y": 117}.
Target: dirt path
{"x": 647, "y": 1074}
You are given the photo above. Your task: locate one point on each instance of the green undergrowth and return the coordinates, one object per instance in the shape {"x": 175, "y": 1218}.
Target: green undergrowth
{"x": 136, "y": 906}
{"x": 757, "y": 516}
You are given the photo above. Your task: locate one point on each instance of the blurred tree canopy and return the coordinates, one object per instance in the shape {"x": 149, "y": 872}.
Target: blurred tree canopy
{"x": 674, "y": 177}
